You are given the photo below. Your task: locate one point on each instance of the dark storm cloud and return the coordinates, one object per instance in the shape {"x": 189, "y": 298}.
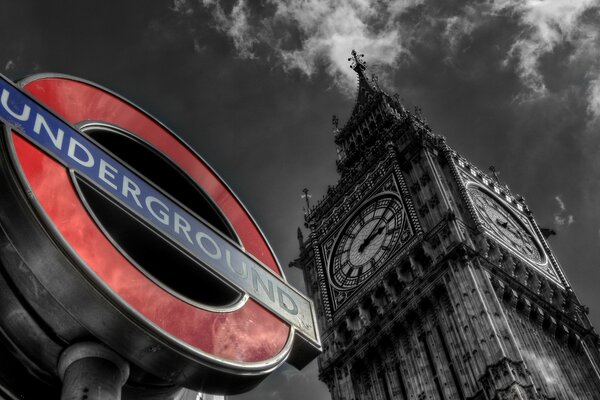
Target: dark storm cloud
{"x": 392, "y": 31}
{"x": 252, "y": 87}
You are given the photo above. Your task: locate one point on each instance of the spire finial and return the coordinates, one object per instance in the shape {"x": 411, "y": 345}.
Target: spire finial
{"x": 306, "y": 197}
{"x": 358, "y": 64}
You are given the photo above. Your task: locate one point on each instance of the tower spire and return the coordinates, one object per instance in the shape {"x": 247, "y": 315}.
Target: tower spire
{"x": 358, "y": 63}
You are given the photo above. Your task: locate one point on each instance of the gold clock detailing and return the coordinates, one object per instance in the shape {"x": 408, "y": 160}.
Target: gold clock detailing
{"x": 367, "y": 240}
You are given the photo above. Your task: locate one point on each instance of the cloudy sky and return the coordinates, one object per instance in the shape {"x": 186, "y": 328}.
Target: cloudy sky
{"x": 252, "y": 85}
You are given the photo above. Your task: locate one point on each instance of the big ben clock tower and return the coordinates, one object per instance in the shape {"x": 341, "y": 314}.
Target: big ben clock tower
{"x": 431, "y": 278}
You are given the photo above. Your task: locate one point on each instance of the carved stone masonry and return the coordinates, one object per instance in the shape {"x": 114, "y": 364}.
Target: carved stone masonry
{"x": 472, "y": 306}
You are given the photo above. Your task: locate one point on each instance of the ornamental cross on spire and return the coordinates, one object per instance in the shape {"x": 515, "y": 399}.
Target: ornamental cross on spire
{"x": 358, "y": 64}
{"x": 306, "y": 197}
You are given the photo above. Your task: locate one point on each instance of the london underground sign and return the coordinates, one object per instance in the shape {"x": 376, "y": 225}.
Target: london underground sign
{"x": 106, "y": 173}
{"x": 217, "y": 315}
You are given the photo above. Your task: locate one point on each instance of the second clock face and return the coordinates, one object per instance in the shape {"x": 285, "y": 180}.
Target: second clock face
{"x": 497, "y": 219}
{"x": 367, "y": 240}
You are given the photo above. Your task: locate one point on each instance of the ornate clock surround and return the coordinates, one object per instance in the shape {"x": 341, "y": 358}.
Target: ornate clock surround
{"x": 390, "y": 192}
{"x": 504, "y": 225}
{"x": 471, "y": 178}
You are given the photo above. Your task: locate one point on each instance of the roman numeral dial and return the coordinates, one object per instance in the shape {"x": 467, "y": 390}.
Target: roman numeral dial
{"x": 499, "y": 221}
{"x": 367, "y": 240}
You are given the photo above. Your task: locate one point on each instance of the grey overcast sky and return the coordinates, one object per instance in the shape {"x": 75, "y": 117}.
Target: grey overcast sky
{"x": 252, "y": 86}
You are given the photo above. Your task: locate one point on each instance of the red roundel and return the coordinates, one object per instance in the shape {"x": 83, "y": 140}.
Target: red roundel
{"x": 246, "y": 335}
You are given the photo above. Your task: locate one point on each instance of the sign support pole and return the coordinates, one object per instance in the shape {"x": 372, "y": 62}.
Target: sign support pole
{"x": 91, "y": 371}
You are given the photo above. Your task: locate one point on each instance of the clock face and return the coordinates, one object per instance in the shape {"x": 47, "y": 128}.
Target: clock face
{"x": 367, "y": 240}
{"x": 505, "y": 225}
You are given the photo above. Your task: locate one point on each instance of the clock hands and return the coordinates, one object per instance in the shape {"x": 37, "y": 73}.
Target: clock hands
{"x": 366, "y": 242}
{"x": 376, "y": 229}
{"x": 522, "y": 239}
{"x": 503, "y": 224}
{"x": 509, "y": 228}
{"x": 371, "y": 236}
